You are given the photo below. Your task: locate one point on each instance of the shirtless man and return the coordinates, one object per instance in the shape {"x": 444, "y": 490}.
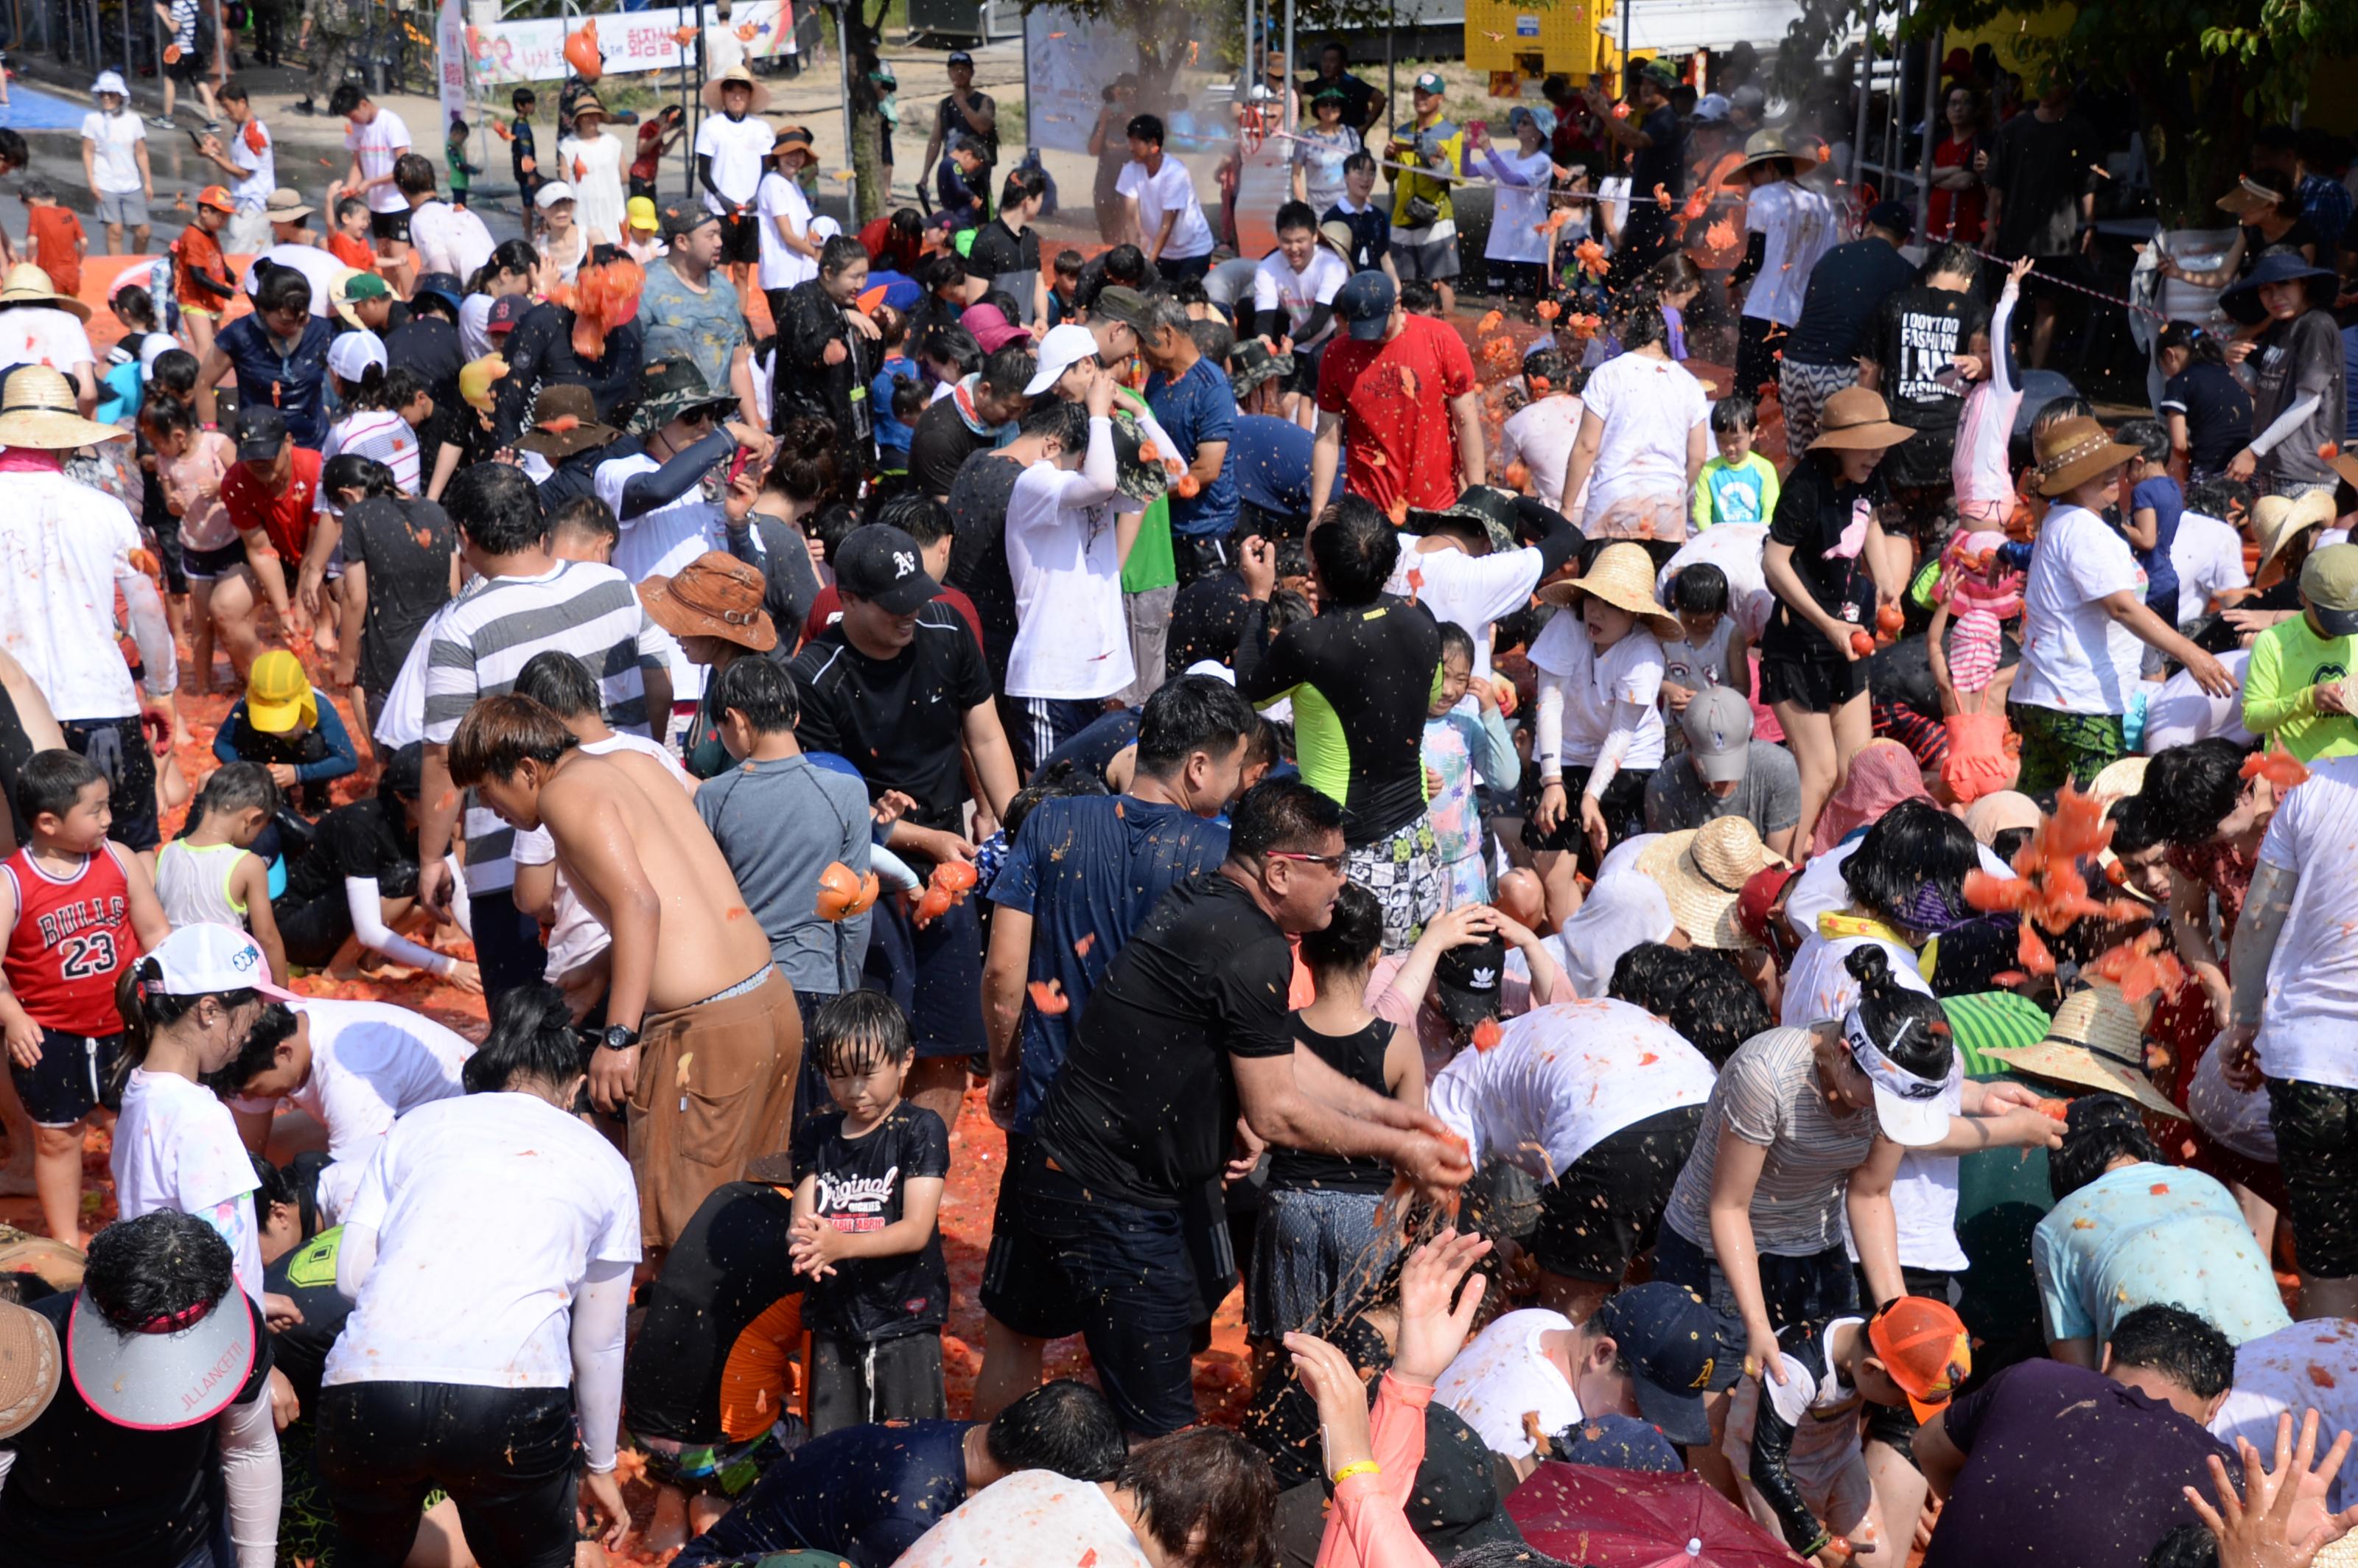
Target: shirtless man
{"x": 702, "y": 1041}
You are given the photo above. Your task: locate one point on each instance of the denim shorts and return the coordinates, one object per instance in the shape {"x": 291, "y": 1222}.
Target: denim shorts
{"x": 1795, "y": 1290}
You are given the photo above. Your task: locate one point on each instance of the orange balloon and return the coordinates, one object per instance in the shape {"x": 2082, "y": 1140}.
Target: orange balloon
{"x": 581, "y": 53}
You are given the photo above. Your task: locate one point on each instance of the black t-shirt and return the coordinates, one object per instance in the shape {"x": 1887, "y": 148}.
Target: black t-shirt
{"x": 862, "y": 1184}
{"x": 1144, "y": 1108}
{"x": 307, "y": 1277}
{"x": 2041, "y": 170}
{"x": 427, "y": 347}
{"x": 865, "y": 1493}
{"x": 2217, "y": 410}
{"x": 727, "y": 1282}
{"x": 951, "y": 118}
{"x": 366, "y": 838}
{"x": 1360, "y": 1058}
{"x": 978, "y": 569}
{"x": 1812, "y": 515}
{"x": 1206, "y": 620}
{"x": 999, "y": 249}
{"x": 82, "y": 1489}
{"x": 1093, "y": 278}
{"x": 2302, "y": 233}
{"x": 405, "y": 545}
{"x": 939, "y": 444}
{"x": 1665, "y": 162}
{"x": 1358, "y": 97}
{"x": 1917, "y": 333}
{"x": 898, "y": 721}
{"x": 1847, "y": 287}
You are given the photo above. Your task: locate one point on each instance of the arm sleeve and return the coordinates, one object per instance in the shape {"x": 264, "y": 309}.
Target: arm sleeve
{"x": 1627, "y": 717}
{"x": 1500, "y": 169}
{"x": 365, "y": 902}
{"x": 1097, "y": 478}
{"x": 2286, "y": 424}
{"x": 1266, "y": 669}
{"x": 1772, "y": 1448}
{"x": 1493, "y": 751}
{"x": 251, "y": 1476}
{"x": 342, "y": 758}
{"x": 2003, "y": 370}
{"x": 643, "y": 493}
{"x": 1547, "y": 728}
{"x": 598, "y": 1313}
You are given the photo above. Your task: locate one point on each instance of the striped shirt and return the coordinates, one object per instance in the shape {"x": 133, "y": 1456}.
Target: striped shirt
{"x": 492, "y": 632}
{"x": 1992, "y": 1021}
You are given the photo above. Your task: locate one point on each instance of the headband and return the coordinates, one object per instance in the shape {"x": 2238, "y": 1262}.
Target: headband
{"x": 1878, "y": 1066}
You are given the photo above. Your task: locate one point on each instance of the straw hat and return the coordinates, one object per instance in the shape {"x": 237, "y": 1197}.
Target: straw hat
{"x": 28, "y": 285}
{"x": 2095, "y": 1042}
{"x": 2118, "y": 781}
{"x": 1765, "y": 145}
{"x": 2275, "y": 520}
{"x": 1704, "y": 871}
{"x": 285, "y": 206}
{"x": 1336, "y": 236}
{"x": 2075, "y": 450}
{"x": 37, "y": 408}
{"x": 1622, "y": 574}
{"x": 1856, "y": 419}
{"x": 30, "y": 1367}
{"x": 588, "y": 104}
{"x": 738, "y": 75}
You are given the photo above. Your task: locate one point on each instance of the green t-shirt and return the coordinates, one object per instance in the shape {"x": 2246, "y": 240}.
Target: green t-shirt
{"x": 1151, "y": 563}
{"x": 2002, "y": 1194}
{"x": 2288, "y": 659}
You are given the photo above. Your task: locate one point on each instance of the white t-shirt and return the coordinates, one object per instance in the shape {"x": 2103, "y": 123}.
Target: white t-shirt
{"x": 1798, "y": 227}
{"x": 1630, "y": 671}
{"x": 1032, "y": 1516}
{"x": 1542, "y": 435}
{"x": 782, "y": 198}
{"x": 736, "y": 148}
{"x": 1469, "y": 590}
{"x": 1647, "y": 406}
{"x": 310, "y": 260}
{"x": 2075, "y": 657}
{"x": 44, "y": 335}
{"x": 489, "y": 1210}
{"x": 576, "y": 935}
{"x": 176, "y": 1148}
{"x": 2310, "y": 1365}
{"x": 1503, "y": 1373}
{"x": 1170, "y": 189}
{"x": 449, "y": 239}
{"x": 371, "y": 1063}
{"x": 2208, "y": 555}
{"x": 66, "y": 546}
{"x": 1563, "y": 1078}
{"x": 1072, "y": 639}
{"x": 2308, "y": 1022}
{"x": 253, "y": 193}
{"x": 377, "y": 145}
{"x": 112, "y": 163}
{"x": 2180, "y": 712}
{"x": 658, "y": 543}
{"x": 1735, "y": 549}
{"x": 1275, "y": 284}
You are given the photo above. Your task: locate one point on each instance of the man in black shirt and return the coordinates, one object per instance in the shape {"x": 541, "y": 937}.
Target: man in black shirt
{"x": 1006, "y": 251}
{"x": 1911, "y": 357}
{"x": 1188, "y": 1028}
{"x": 1658, "y": 163}
{"x": 2042, "y": 197}
{"x": 1363, "y": 103}
{"x": 970, "y": 420}
{"x": 963, "y": 113}
{"x": 1847, "y": 287}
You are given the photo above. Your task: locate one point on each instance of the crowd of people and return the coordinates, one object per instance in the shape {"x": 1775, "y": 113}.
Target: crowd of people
{"x": 1793, "y": 929}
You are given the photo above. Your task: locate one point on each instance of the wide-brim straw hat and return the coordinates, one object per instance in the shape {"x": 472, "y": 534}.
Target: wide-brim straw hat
{"x": 2119, "y": 780}
{"x": 1622, "y": 574}
{"x": 743, "y": 77}
{"x": 587, "y": 103}
{"x": 2276, "y": 519}
{"x": 1703, "y": 872}
{"x": 2075, "y": 450}
{"x": 28, "y": 285}
{"x": 31, "y": 1366}
{"x": 2095, "y": 1042}
{"x": 1762, "y": 146}
{"x": 1856, "y": 419}
{"x": 564, "y": 421}
{"x": 39, "y": 409}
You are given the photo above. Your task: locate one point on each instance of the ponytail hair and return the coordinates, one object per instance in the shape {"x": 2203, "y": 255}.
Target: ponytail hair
{"x": 146, "y": 1008}
{"x": 532, "y": 1039}
{"x": 1906, "y": 1023}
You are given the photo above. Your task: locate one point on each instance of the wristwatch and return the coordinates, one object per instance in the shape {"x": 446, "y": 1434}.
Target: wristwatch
{"x": 618, "y": 1038}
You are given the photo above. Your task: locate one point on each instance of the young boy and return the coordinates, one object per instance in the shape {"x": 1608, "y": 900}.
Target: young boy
{"x": 1064, "y": 287}
{"x": 58, "y": 241}
{"x": 523, "y": 155}
{"x": 1739, "y": 485}
{"x": 1796, "y": 1445}
{"x": 2151, "y": 523}
{"x": 894, "y": 370}
{"x": 871, "y": 1186}
{"x": 350, "y": 243}
{"x": 958, "y": 205}
{"x": 454, "y": 153}
{"x": 75, "y": 910}
{"x": 1713, "y": 651}
{"x": 201, "y": 280}
{"x": 210, "y": 874}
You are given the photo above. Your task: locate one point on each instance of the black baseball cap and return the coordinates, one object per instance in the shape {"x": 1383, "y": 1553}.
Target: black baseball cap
{"x": 1466, "y": 980}
{"x": 1892, "y": 218}
{"x": 959, "y": 56}
{"x": 260, "y": 433}
{"x": 1456, "y": 1501}
{"x": 1672, "y": 1340}
{"x": 883, "y": 565}
{"x": 1364, "y": 303}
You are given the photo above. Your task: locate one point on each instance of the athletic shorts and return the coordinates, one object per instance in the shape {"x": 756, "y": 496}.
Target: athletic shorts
{"x": 740, "y": 240}
{"x": 189, "y": 67}
{"x": 1814, "y": 686}
{"x": 855, "y": 1384}
{"x": 212, "y": 566}
{"x": 168, "y": 556}
{"x": 390, "y": 226}
{"x": 1595, "y": 1217}
{"x": 1416, "y": 257}
{"x": 126, "y": 208}
{"x": 70, "y": 1080}
{"x": 1403, "y": 871}
{"x": 1624, "y": 803}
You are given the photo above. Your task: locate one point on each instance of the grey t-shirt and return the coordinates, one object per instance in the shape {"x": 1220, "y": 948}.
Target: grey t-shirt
{"x": 1770, "y": 793}
{"x": 2295, "y": 360}
{"x": 780, "y": 823}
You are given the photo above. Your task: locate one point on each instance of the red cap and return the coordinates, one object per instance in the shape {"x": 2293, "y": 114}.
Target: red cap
{"x": 216, "y": 197}
{"x": 1924, "y": 1345}
{"x": 1758, "y": 899}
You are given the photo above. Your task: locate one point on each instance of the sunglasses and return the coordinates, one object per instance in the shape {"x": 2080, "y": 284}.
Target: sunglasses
{"x": 1332, "y": 862}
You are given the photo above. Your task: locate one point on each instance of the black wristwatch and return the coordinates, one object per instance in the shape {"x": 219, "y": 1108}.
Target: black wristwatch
{"x": 618, "y": 1038}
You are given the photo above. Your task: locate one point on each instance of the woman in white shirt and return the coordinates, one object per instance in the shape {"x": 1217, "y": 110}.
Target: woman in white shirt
{"x": 1520, "y": 243}
{"x": 789, "y": 250}
{"x": 1796, "y": 226}
{"x": 592, "y": 160}
{"x": 488, "y": 1254}
{"x": 564, "y": 243}
{"x": 1645, "y": 434}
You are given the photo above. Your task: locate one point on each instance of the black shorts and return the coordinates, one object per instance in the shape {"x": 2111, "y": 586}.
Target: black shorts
{"x": 209, "y": 566}
{"x": 855, "y": 1384}
{"x": 931, "y": 973}
{"x": 71, "y": 1079}
{"x": 119, "y": 749}
{"x": 390, "y": 226}
{"x": 2316, "y": 1146}
{"x": 1814, "y": 686}
{"x": 1599, "y": 1215}
{"x": 188, "y": 68}
{"x": 1624, "y": 802}
{"x": 740, "y": 240}
{"x": 168, "y": 556}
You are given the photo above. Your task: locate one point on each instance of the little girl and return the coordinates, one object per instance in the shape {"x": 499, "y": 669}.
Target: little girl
{"x": 212, "y": 872}
{"x": 1711, "y": 649}
{"x": 1460, "y": 746}
{"x": 1981, "y": 592}
{"x": 1981, "y": 469}
{"x": 1675, "y": 281}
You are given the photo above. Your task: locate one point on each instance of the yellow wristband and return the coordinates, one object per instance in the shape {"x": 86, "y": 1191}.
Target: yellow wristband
{"x": 1358, "y": 1467}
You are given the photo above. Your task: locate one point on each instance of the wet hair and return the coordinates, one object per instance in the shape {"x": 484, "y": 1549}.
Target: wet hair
{"x": 173, "y": 374}
{"x": 1550, "y": 365}
{"x": 2189, "y": 1545}
{"x": 1294, "y": 217}
{"x": 1206, "y": 1479}
{"x": 2217, "y": 496}
{"x": 1191, "y": 713}
{"x": 1147, "y": 128}
{"x": 1700, "y": 587}
{"x": 348, "y": 206}
{"x": 1735, "y": 412}
{"x": 499, "y": 734}
{"x": 1066, "y": 1426}
{"x": 1956, "y": 259}
{"x": 952, "y": 345}
{"x": 1455, "y": 639}
{"x": 497, "y": 507}
{"x": 162, "y": 1265}
{"x": 51, "y": 782}
{"x": 559, "y": 682}
{"x": 2181, "y": 1346}
{"x": 1281, "y": 814}
{"x": 532, "y": 1041}
{"x": 1214, "y": 339}
{"x": 2203, "y": 348}
{"x": 1068, "y": 262}
{"x": 2071, "y": 405}
{"x": 1351, "y": 939}
{"x": 1912, "y": 849}
{"x": 412, "y": 175}
{"x": 1717, "y": 1009}
{"x": 508, "y": 255}
{"x": 2136, "y": 828}
{"x": 346, "y": 98}
{"x": 2188, "y": 790}
{"x": 837, "y": 255}
{"x": 1287, "y": 607}
{"x": 1008, "y": 370}
{"x": 1649, "y": 975}
{"x": 587, "y": 516}
{"x": 36, "y": 188}
{"x": 859, "y": 1032}
{"x": 403, "y": 775}
{"x": 282, "y": 288}
{"x": 1419, "y": 298}
{"x": 1125, "y": 264}
{"x": 350, "y": 470}
{"x": 804, "y": 467}
{"x": 762, "y": 690}
{"x": 892, "y": 325}
{"x": 1020, "y": 186}
{"x": 1053, "y": 418}
{"x": 1907, "y": 1024}
{"x": 133, "y": 307}
{"x": 1641, "y": 322}
{"x": 1355, "y": 548}
{"x": 2097, "y": 1130}
{"x": 2148, "y": 437}
{"x": 1063, "y": 779}
{"x": 253, "y": 1057}
{"x": 272, "y": 1186}
{"x": 236, "y": 786}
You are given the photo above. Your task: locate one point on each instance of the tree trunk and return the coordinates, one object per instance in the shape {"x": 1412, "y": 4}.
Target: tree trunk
{"x": 870, "y": 197}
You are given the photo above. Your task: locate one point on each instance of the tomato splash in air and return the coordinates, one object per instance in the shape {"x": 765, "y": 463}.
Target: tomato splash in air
{"x": 1048, "y": 997}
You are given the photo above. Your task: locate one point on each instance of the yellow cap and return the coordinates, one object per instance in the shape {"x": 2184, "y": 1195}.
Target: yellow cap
{"x": 279, "y": 694}
{"x": 640, "y": 213}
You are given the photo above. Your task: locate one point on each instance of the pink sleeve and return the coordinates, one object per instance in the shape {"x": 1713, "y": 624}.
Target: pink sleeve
{"x": 1366, "y": 1528}
{"x": 1398, "y": 1012}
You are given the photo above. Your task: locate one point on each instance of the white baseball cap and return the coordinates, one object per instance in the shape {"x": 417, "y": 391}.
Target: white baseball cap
{"x": 352, "y": 354}
{"x": 1060, "y": 351}
{"x": 207, "y": 959}
{"x": 111, "y": 82}
{"x": 549, "y": 195}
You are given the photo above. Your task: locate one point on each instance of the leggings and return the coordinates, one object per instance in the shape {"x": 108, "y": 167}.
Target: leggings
{"x": 506, "y": 1455}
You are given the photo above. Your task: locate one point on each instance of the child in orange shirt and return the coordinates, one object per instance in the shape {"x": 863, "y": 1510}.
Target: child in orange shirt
{"x": 350, "y": 243}
{"x": 201, "y": 275}
{"x": 59, "y": 243}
